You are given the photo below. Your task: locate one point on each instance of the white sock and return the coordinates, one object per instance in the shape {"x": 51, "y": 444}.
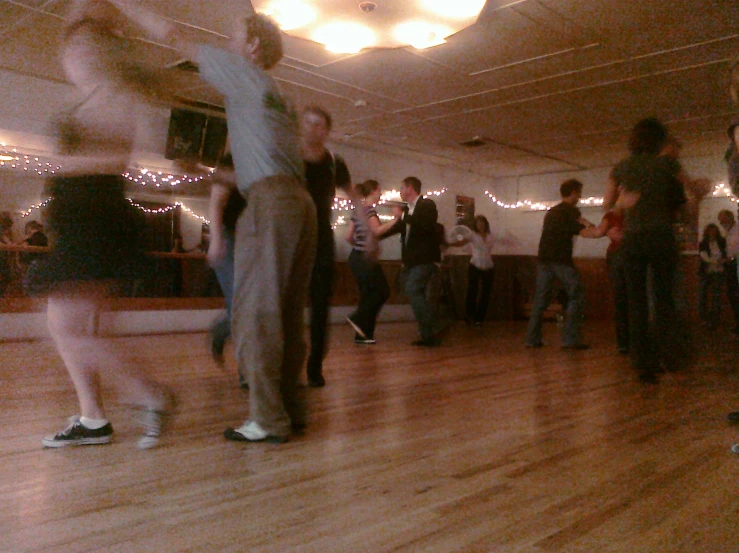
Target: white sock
{"x": 93, "y": 424}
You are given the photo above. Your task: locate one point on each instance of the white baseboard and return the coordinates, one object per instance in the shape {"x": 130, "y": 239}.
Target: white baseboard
{"x": 32, "y": 326}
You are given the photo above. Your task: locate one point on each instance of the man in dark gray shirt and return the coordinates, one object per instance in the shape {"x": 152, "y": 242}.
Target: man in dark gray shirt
{"x": 561, "y": 224}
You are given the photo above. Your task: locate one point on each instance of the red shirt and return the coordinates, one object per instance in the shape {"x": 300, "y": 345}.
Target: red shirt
{"x": 614, "y": 221}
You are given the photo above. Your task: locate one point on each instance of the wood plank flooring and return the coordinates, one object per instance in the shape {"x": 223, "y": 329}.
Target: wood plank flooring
{"x": 480, "y": 445}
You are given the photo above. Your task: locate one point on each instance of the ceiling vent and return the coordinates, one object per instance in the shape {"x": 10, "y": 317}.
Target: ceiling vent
{"x": 476, "y": 142}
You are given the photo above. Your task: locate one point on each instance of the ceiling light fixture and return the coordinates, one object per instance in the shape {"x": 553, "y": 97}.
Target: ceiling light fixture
{"x": 348, "y": 27}
{"x": 458, "y": 9}
{"x": 290, "y": 14}
{"x": 344, "y": 37}
{"x": 6, "y": 157}
{"x": 420, "y": 34}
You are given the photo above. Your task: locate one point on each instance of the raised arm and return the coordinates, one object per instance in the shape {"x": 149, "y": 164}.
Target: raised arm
{"x": 379, "y": 229}
{"x": 596, "y": 231}
{"x": 611, "y": 194}
{"x": 159, "y": 28}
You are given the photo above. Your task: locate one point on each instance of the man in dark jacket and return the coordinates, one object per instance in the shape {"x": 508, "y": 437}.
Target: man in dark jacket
{"x": 420, "y": 247}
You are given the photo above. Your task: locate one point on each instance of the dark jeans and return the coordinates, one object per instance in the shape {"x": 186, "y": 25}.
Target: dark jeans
{"x": 416, "y": 281}
{"x": 479, "y": 285}
{"x": 732, "y": 289}
{"x": 373, "y": 291}
{"x": 321, "y": 289}
{"x": 667, "y": 342}
{"x": 617, "y": 276}
{"x": 570, "y": 279}
{"x": 709, "y": 298}
{"x": 221, "y": 329}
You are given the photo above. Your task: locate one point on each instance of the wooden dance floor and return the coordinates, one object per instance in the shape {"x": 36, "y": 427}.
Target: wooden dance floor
{"x": 477, "y": 446}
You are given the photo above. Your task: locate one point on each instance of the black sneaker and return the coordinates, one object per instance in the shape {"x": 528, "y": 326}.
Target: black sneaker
{"x": 216, "y": 347}
{"x": 316, "y": 381}
{"x": 78, "y": 434}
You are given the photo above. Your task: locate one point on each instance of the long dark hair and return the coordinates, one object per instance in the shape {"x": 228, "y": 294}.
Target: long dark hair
{"x": 484, "y": 220}
{"x": 711, "y": 226}
{"x": 647, "y": 137}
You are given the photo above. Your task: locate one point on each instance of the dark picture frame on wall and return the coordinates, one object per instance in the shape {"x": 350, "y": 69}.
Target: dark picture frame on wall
{"x": 465, "y": 210}
{"x": 193, "y": 135}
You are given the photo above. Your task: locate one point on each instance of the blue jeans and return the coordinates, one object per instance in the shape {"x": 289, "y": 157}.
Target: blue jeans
{"x": 416, "y": 281}
{"x": 570, "y": 279}
{"x": 373, "y": 291}
{"x": 709, "y": 298}
{"x": 221, "y": 329}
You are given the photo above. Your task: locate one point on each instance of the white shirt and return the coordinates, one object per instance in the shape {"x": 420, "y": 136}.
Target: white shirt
{"x": 482, "y": 249}
{"x": 412, "y": 205}
{"x": 713, "y": 258}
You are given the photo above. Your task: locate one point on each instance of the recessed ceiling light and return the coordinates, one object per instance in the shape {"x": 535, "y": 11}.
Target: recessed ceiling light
{"x": 422, "y": 35}
{"x": 290, "y": 14}
{"x": 344, "y": 37}
{"x": 458, "y": 9}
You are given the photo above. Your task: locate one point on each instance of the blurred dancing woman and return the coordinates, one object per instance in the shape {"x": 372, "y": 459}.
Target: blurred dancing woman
{"x": 94, "y": 230}
{"x": 481, "y": 271}
{"x": 651, "y": 187}
{"x": 373, "y": 287}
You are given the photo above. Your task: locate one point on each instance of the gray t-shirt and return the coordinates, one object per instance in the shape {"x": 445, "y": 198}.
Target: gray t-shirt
{"x": 655, "y": 177}
{"x": 262, "y": 125}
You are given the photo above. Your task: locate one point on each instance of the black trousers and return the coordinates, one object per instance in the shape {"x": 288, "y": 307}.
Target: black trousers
{"x": 479, "y": 285}
{"x": 321, "y": 289}
{"x": 668, "y": 342}
{"x": 617, "y": 276}
{"x": 732, "y": 289}
{"x": 374, "y": 291}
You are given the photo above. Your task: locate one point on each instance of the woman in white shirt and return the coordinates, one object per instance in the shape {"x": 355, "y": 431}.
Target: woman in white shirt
{"x": 480, "y": 272}
{"x": 713, "y": 256}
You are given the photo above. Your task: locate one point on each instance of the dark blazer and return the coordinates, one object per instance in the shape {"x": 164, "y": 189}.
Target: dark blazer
{"x": 418, "y": 236}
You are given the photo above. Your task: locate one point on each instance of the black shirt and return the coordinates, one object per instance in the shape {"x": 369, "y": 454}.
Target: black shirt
{"x": 655, "y": 177}
{"x": 322, "y": 178}
{"x": 560, "y": 226}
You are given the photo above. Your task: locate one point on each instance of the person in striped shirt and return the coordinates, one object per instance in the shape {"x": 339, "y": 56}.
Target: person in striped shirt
{"x": 373, "y": 287}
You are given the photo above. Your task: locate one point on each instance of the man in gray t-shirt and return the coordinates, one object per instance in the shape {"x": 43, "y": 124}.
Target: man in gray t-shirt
{"x": 275, "y": 240}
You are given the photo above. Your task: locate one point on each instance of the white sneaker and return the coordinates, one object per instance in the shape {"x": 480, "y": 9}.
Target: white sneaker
{"x": 250, "y": 431}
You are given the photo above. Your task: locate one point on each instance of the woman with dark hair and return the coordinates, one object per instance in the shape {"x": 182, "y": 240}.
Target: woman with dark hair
{"x": 480, "y": 272}
{"x": 94, "y": 232}
{"x": 712, "y": 250}
{"x": 373, "y": 287}
{"x": 651, "y": 187}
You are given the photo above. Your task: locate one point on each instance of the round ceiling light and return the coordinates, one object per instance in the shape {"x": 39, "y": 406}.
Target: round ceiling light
{"x": 422, "y": 35}
{"x": 344, "y": 37}
{"x": 290, "y": 14}
{"x": 458, "y": 9}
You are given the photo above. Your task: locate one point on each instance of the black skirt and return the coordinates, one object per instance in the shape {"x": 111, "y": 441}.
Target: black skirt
{"x": 95, "y": 234}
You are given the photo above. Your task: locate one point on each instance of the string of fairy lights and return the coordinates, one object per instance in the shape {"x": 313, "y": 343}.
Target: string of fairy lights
{"x": 11, "y": 159}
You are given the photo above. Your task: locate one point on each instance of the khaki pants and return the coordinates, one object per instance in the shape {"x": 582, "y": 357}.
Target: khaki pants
{"x": 274, "y": 253}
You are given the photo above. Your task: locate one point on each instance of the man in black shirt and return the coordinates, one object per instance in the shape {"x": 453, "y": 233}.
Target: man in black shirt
{"x": 324, "y": 172}
{"x": 561, "y": 224}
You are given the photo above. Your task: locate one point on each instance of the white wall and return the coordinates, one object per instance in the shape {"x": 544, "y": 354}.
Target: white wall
{"x": 27, "y": 104}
